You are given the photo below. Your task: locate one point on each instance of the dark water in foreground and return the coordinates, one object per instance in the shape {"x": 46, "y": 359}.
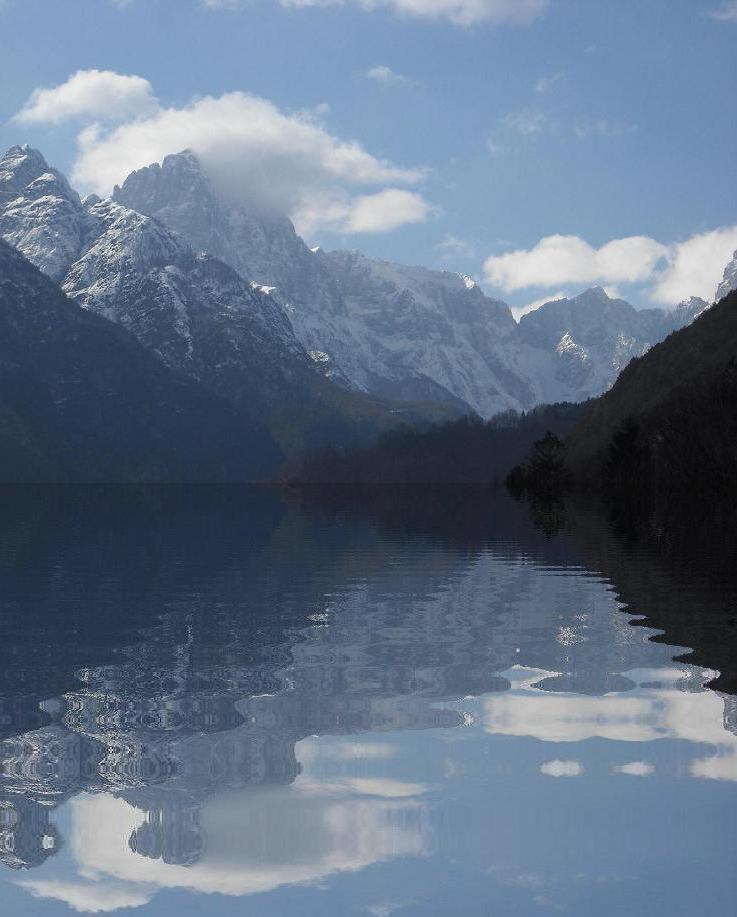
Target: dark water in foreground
{"x": 226, "y": 702}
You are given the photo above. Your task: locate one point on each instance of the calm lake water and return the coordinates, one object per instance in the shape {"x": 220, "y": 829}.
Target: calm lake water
{"x": 229, "y": 701}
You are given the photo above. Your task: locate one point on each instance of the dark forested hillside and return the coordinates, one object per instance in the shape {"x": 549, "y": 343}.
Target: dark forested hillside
{"x": 82, "y": 400}
{"x": 466, "y": 451}
{"x": 665, "y": 435}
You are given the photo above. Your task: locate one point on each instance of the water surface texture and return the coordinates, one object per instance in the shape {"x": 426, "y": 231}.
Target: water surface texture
{"x": 228, "y": 701}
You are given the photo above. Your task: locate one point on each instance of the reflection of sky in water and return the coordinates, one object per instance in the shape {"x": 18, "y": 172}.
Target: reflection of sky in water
{"x": 442, "y": 731}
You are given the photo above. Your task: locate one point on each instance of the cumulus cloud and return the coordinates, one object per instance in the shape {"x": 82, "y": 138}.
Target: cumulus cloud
{"x": 459, "y": 12}
{"x": 695, "y": 267}
{"x": 386, "y": 210}
{"x": 385, "y": 76}
{"x": 561, "y": 768}
{"x": 669, "y": 273}
{"x": 99, "y": 94}
{"x": 268, "y": 159}
{"x": 569, "y": 259}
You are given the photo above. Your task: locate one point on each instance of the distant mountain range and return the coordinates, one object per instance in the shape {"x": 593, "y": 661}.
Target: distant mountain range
{"x": 303, "y": 348}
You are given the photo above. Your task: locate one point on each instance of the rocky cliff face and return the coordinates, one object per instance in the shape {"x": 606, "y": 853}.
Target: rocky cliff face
{"x": 399, "y": 331}
{"x": 197, "y": 314}
{"x": 238, "y": 301}
{"x": 593, "y": 337}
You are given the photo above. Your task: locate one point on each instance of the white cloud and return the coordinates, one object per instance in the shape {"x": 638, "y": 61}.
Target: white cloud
{"x": 726, "y": 13}
{"x": 385, "y": 210}
{"x": 99, "y": 94}
{"x": 385, "y": 76}
{"x": 459, "y": 12}
{"x": 285, "y": 162}
{"x": 695, "y": 267}
{"x": 561, "y": 769}
{"x": 668, "y": 273}
{"x": 569, "y": 259}
{"x": 634, "y": 769}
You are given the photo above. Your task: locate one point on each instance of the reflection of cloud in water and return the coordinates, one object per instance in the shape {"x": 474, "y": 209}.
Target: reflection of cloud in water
{"x": 655, "y": 709}
{"x": 257, "y": 841}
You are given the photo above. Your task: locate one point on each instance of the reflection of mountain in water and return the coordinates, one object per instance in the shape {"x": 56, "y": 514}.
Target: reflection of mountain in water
{"x": 173, "y": 648}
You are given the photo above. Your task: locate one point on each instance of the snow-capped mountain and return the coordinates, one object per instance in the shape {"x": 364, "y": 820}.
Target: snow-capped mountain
{"x": 592, "y": 337}
{"x": 424, "y": 330}
{"x": 406, "y": 332}
{"x": 196, "y": 313}
{"x": 40, "y": 214}
{"x": 385, "y": 329}
{"x": 729, "y": 283}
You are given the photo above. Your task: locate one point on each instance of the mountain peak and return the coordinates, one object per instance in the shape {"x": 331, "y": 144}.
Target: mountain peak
{"x": 596, "y": 292}
{"x": 20, "y": 166}
{"x": 175, "y": 179}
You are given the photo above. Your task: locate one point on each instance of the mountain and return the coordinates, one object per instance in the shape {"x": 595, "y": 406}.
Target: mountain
{"x": 398, "y": 331}
{"x": 420, "y": 329}
{"x": 593, "y": 337}
{"x": 729, "y": 283}
{"x": 82, "y": 400}
{"x": 197, "y": 314}
{"x": 40, "y": 214}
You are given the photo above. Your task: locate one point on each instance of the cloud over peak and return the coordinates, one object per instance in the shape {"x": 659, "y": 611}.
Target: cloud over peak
{"x": 668, "y": 273}
{"x": 283, "y": 162}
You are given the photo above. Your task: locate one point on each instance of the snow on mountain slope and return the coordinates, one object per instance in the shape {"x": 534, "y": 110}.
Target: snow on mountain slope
{"x": 40, "y": 214}
{"x": 399, "y": 331}
{"x": 196, "y": 313}
{"x": 199, "y": 315}
{"x": 729, "y": 283}
{"x": 280, "y": 308}
{"x": 414, "y": 323}
{"x": 395, "y": 331}
{"x": 592, "y": 337}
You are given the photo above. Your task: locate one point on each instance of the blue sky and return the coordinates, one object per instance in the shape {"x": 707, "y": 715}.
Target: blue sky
{"x": 594, "y": 120}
